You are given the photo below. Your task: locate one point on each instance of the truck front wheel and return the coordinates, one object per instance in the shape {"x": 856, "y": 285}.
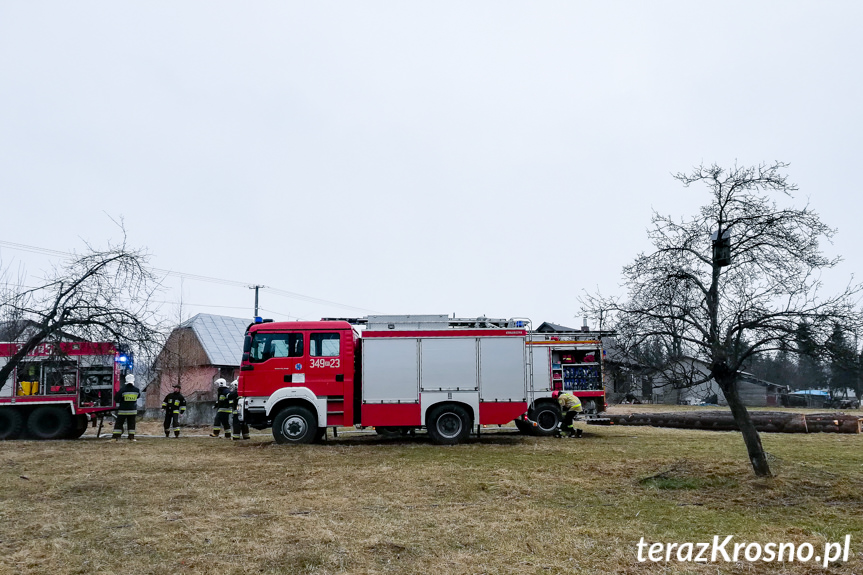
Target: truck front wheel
{"x": 295, "y": 424}
{"x": 547, "y": 417}
{"x": 449, "y": 424}
{"x": 49, "y": 422}
{"x": 11, "y": 423}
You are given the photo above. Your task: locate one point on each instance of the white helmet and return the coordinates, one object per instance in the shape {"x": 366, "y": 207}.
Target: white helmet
{"x": 220, "y": 382}
{"x": 130, "y": 379}
{"x": 235, "y": 384}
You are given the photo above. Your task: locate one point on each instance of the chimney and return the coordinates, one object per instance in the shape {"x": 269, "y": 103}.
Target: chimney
{"x": 584, "y": 327}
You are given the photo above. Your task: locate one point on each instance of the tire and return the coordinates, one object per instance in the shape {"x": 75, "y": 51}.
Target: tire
{"x": 449, "y": 424}
{"x": 50, "y": 422}
{"x": 79, "y": 427}
{"x": 547, "y": 418}
{"x": 295, "y": 425}
{"x": 11, "y": 423}
{"x": 523, "y": 426}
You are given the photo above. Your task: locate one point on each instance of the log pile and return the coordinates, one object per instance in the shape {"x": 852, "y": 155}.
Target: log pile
{"x": 771, "y": 421}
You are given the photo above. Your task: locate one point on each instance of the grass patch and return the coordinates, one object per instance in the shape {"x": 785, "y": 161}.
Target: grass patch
{"x": 364, "y": 504}
{"x": 666, "y": 482}
{"x": 683, "y": 475}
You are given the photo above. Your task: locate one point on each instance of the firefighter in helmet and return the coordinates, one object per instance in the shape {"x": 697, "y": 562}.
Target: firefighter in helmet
{"x": 223, "y": 409}
{"x": 127, "y": 409}
{"x": 241, "y": 430}
{"x": 174, "y": 406}
{"x": 570, "y": 407}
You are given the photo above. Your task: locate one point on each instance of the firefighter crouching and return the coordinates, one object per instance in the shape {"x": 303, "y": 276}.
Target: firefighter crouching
{"x": 241, "y": 430}
{"x": 174, "y": 406}
{"x": 223, "y": 409}
{"x": 570, "y": 407}
{"x": 127, "y": 409}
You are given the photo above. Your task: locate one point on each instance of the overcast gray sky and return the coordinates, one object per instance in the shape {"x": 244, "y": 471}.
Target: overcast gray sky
{"x": 474, "y": 158}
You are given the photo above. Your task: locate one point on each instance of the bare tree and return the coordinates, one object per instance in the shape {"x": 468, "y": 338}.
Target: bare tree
{"x": 102, "y": 295}
{"x": 175, "y": 363}
{"x": 734, "y": 281}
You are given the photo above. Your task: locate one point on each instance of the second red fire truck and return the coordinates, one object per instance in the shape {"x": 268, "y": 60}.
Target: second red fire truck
{"x": 406, "y": 372}
{"x": 59, "y": 388}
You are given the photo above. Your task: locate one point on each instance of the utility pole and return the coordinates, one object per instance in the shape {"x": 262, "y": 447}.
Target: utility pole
{"x": 256, "y": 288}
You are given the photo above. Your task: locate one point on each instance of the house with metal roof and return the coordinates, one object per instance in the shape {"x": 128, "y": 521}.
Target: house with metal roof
{"x": 197, "y": 353}
{"x": 753, "y": 392}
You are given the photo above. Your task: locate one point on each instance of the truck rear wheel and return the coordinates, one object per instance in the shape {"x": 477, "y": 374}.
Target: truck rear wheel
{"x": 547, "y": 417}
{"x": 79, "y": 427}
{"x": 449, "y": 424}
{"x": 49, "y": 422}
{"x": 11, "y": 423}
{"x": 295, "y": 424}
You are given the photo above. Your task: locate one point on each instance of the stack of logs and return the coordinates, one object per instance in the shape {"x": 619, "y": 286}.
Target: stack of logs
{"x": 780, "y": 422}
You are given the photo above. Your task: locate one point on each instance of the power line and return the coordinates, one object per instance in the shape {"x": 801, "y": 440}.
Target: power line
{"x": 195, "y": 277}
{"x": 185, "y": 303}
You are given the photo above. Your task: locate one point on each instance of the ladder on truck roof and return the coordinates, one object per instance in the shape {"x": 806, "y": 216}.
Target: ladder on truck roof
{"x": 410, "y": 322}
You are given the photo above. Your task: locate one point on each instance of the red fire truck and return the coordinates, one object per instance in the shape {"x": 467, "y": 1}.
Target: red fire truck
{"x": 58, "y": 388}
{"x": 407, "y": 372}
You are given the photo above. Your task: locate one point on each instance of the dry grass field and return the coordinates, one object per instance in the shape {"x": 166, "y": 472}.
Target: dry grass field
{"x": 504, "y": 503}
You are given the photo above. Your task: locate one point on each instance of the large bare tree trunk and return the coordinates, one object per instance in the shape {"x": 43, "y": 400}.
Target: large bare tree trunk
{"x": 751, "y": 437}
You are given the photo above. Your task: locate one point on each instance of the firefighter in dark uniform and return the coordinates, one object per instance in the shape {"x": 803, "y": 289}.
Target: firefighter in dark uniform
{"x": 241, "y": 430}
{"x": 223, "y": 409}
{"x": 174, "y": 406}
{"x": 127, "y": 409}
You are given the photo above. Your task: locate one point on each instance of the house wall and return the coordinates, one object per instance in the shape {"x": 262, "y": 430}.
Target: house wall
{"x": 196, "y": 384}
{"x": 690, "y": 395}
{"x": 752, "y": 395}
{"x": 197, "y": 413}
{"x": 184, "y": 360}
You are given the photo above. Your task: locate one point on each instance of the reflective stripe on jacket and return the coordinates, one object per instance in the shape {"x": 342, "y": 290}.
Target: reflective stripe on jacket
{"x": 174, "y": 402}
{"x": 222, "y": 402}
{"x": 232, "y": 400}
{"x": 569, "y": 402}
{"x": 127, "y": 400}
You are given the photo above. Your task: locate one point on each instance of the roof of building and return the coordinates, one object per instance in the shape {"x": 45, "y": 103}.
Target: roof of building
{"x": 547, "y": 327}
{"x": 220, "y": 336}
{"x": 818, "y": 392}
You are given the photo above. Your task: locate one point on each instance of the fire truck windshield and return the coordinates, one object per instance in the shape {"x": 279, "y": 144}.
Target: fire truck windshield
{"x": 269, "y": 345}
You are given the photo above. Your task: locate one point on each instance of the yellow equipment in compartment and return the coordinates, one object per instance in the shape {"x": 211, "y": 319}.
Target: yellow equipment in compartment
{"x": 27, "y": 388}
